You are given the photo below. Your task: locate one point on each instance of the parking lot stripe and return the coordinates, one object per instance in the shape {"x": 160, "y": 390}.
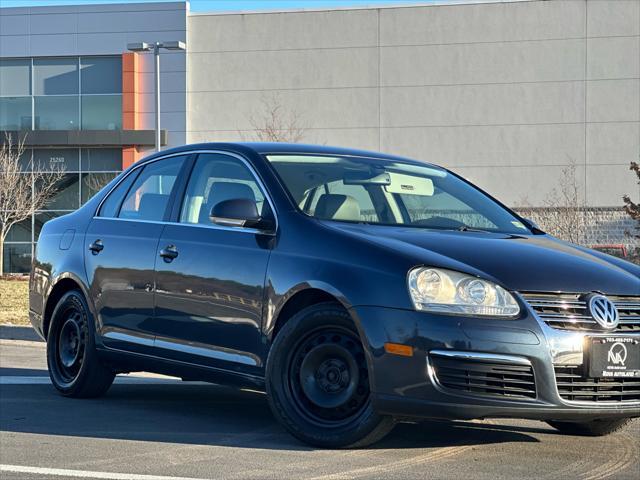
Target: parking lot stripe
{"x": 60, "y": 472}
{"x": 42, "y": 380}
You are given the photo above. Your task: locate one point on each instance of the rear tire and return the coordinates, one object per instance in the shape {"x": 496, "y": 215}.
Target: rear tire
{"x": 74, "y": 366}
{"x": 594, "y": 428}
{"x": 318, "y": 382}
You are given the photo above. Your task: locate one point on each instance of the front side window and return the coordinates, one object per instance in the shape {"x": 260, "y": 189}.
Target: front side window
{"x": 389, "y": 192}
{"x": 216, "y": 178}
{"x": 148, "y": 197}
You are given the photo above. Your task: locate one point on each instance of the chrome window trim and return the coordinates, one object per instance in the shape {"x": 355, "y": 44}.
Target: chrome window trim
{"x": 255, "y": 175}
{"x": 196, "y": 225}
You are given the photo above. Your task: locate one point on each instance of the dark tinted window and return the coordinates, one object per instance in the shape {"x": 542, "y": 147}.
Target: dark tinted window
{"x": 112, "y": 203}
{"x": 149, "y": 196}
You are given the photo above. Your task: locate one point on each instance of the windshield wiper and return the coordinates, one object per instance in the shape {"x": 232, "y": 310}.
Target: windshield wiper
{"x": 466, "y": 228}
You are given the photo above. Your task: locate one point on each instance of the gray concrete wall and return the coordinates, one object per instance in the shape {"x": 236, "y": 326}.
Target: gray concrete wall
{"x": 507, "y": 94}
{"x": 106, "y": 30}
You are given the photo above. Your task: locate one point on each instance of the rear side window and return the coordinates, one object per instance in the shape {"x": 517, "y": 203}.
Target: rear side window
{"x": 112, "y": 204}
{"x": 148, "y": 197}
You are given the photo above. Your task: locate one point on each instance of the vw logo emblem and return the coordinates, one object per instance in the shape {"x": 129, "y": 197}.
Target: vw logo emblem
{"x": 603, "y": 311}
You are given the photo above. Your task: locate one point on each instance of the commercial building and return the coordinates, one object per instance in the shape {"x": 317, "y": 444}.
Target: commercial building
{"x": 81, "y": 101}
{"x": 509, "y": 94}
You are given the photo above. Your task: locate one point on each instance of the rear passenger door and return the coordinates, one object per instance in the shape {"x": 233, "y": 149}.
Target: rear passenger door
{"x": 120, "y": 253}
{"x": 209, "y": 298}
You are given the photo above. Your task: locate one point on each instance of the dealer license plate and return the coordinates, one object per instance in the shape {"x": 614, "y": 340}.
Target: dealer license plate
{"x": 613, "y": 357}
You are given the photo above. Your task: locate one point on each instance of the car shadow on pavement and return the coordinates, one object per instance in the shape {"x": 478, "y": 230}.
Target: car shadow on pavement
{"x": 11, "y": 332}
{"x": 204, "y": 414}
{"x": 23, "y": 372}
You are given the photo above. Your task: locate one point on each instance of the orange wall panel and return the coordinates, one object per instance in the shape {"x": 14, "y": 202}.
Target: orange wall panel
{"x": 130, "y": 104}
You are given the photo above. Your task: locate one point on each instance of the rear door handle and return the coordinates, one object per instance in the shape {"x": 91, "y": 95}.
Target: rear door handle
{"x": 168, "y": 253}
{"x": 96, "y": 247}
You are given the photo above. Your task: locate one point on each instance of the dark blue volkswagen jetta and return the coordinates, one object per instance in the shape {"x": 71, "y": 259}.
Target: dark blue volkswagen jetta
{"x": 359, "y": 289}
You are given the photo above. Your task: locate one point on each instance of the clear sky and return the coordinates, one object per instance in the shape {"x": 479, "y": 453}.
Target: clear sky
{"x": 229, "y": 5}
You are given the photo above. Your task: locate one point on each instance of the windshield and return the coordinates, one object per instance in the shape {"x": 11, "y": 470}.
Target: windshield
{"x": 365, "y": 190}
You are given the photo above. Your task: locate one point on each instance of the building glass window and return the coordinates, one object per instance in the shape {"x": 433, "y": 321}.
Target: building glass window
{"x": 67, "y": 195}
{"x": 92, "y": 183}
{"x": 101, "y": 75}
{"x": 57, "y": 113}
{"x": 65, "y": 93}
{"x": 69, "y": 93}
{"x": 55, "y": 76}
{"x": 101, "y": 112}
{"x": 15, "y": 113}
{"x": 20, "y": 232}
{"x": 101, "y": 159}
{"x": 17, "y": 257}
{"x": 15, "y": 77}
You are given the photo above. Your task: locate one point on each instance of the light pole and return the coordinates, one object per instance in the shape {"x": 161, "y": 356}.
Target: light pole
{"x": 155, "y": 48}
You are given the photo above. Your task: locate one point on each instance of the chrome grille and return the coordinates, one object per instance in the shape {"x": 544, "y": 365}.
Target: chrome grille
{"x": 575, "y": 386}
{"x": 485, "y": 379}
{"x": 569, "y": 311}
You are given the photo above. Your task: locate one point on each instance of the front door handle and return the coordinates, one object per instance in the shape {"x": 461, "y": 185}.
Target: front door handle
{"x": 96, "y": 247}
{"x": 168, "y": 253}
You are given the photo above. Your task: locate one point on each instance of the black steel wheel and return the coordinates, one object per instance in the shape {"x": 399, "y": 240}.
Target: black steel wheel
{"x": 318, "y": 380}
{"x": 329, "y": 380}
{"x": 71, "y": 342}
{"x": 74, "y": 366}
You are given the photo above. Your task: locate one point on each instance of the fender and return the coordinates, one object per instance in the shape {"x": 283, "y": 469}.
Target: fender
{"x": 85, "y": 291}
{"x": 276, "y": 302}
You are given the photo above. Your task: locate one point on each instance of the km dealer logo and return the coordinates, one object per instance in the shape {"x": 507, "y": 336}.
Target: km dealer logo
{"x": 617, "y": 354}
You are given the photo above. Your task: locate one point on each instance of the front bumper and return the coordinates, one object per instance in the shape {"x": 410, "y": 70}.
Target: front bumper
{"x": 408, "y": 387}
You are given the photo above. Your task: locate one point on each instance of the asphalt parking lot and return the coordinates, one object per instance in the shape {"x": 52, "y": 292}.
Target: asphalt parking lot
{"x": 153, "y": 428}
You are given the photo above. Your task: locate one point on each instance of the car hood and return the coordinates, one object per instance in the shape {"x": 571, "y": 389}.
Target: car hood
{"x": 518, "y": 262}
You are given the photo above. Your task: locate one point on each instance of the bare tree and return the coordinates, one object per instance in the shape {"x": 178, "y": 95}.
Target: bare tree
{"x": 94, "y": 182}
{"x": 275, "y": 123}
{"x": 562, "y": 213}
{"x": 22, "y": 193}
{"x": 631, "y": 207}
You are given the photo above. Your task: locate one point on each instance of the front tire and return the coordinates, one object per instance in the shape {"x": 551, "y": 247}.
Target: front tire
{"x": 318, "y": 382}
{"x": 74, "y": 367}
{"x": 594, "y": 428}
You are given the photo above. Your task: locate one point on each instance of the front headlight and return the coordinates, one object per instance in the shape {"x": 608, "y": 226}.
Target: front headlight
{"x": 446, "y": 291}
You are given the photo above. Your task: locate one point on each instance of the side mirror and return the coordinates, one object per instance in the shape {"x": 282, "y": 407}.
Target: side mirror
{"x": 239, "y": 212}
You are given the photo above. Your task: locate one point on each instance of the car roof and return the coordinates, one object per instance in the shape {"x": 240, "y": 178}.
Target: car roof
{"x": 263, "y": 148}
